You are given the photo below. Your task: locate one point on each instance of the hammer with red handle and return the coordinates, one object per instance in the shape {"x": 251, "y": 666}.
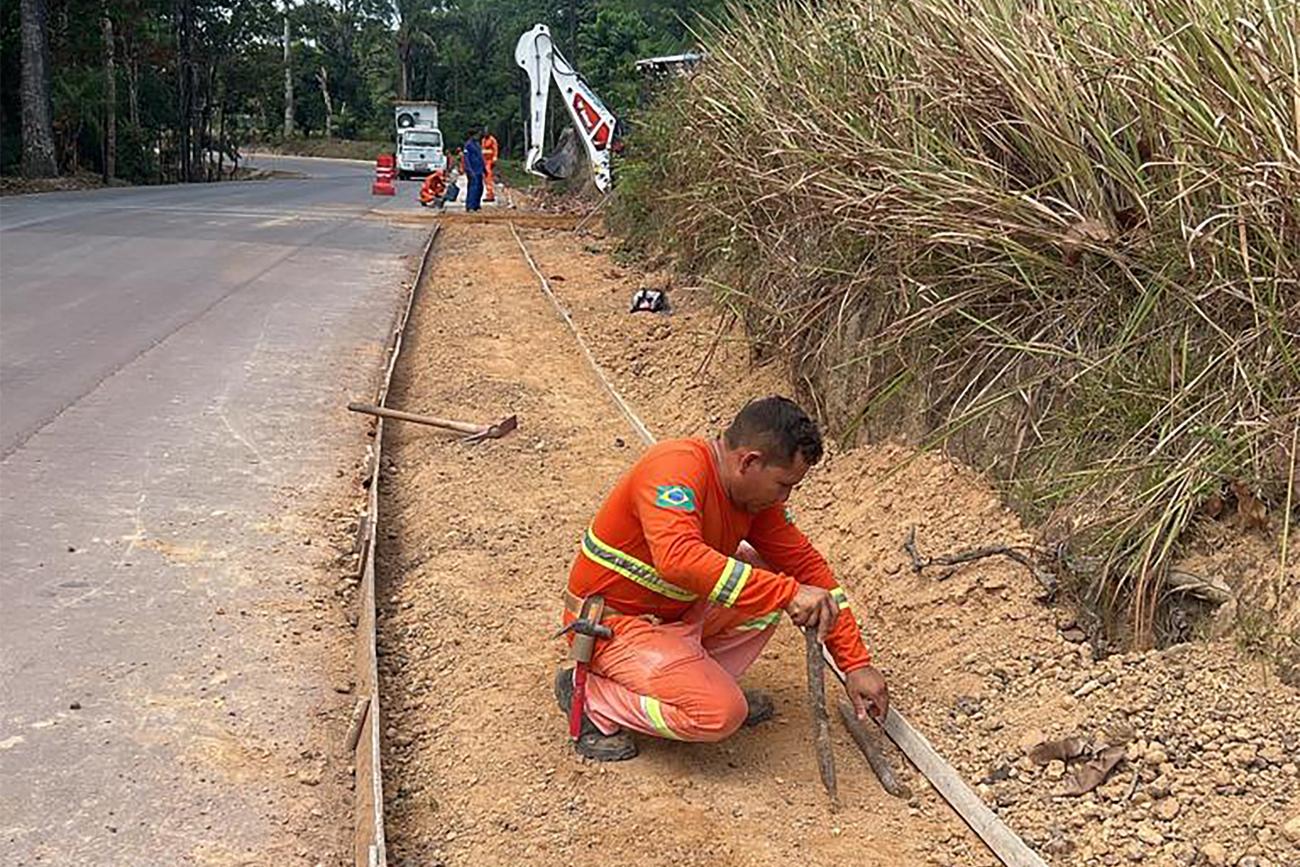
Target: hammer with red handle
{"x": 586, "y": 628}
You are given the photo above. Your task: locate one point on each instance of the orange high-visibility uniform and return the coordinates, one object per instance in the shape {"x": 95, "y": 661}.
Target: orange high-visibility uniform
{"x": 435, "y": 185}
{"x": 490, "y": 153}
{"x": 691, "y": 616}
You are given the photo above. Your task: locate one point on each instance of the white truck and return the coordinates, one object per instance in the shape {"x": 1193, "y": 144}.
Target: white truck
{"x": 419, "y": 141}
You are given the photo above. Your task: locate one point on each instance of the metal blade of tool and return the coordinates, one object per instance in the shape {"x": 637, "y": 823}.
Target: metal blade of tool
{"x": 1001, "y": 840}
{"x": 475, "y": 432}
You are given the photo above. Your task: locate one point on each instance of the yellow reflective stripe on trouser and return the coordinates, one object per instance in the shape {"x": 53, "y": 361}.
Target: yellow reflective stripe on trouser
{"x": 841, "y": 599}
{"x": 734, "y": 576}
{"x": 761, "y": 622}
{"x": 655, "y": 712}
{"x": 631, "y": 568}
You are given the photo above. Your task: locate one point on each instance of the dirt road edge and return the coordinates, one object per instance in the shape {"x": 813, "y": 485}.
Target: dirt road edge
{"x": 369, "y": 848}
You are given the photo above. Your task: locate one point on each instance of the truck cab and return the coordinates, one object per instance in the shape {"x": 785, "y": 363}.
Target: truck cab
{"x": 419, "y": 141}
{"x": 419, "y": 152}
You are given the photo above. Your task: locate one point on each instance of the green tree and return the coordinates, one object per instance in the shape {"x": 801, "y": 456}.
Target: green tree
{"x": 195, "y": 78}
{"x": 611, "y": 46}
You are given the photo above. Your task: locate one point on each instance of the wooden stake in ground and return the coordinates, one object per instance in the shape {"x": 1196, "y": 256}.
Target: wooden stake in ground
{"x": 821, "y": 721}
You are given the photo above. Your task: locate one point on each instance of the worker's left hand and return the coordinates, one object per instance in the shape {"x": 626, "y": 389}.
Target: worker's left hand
{"x": 867, "y": 690}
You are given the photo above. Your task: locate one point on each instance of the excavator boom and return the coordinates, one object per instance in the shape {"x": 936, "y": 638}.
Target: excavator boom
{"x": 537, "y": 55}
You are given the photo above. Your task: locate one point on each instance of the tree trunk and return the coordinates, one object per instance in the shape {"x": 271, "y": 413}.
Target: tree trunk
{"x": 221, "y": 139}
{"x": 404, "y": 79}
{"x": 198, "y": 118}
{"x": 573, "y": 31}
{"x": 133, "y": 87}
{"x": 110, "y": 103}
{"x": 323, "y": 77}
{"x": 38, "y": 126}
{"x": 204, "y": 155}
{"x": 288, "y": 79}
{"x": 184, "y": 90}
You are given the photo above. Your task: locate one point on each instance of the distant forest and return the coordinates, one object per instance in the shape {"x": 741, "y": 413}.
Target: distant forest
{"x": 167, "y": 90}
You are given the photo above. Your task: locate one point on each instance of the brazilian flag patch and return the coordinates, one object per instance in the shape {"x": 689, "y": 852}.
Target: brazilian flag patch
{"x": 789, "y": 515}
{"x": 678, "y": 497}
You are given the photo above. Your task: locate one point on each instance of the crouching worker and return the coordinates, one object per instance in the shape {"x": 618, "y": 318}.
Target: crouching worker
{"x": 688, "y": 605}
{"x": 435, "y": 187}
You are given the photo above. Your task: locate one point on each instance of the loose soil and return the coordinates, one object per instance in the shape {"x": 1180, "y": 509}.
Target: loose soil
{"x": 479, "y": 540}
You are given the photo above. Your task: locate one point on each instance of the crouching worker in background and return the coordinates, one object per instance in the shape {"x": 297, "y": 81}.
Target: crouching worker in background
{"x": 435, "y": 187}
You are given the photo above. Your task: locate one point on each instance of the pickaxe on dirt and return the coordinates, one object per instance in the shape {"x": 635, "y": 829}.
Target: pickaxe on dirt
{"x": 473, "y": 432}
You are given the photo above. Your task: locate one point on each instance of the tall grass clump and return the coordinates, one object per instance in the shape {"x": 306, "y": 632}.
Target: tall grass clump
{"x": 1060, "y": 238}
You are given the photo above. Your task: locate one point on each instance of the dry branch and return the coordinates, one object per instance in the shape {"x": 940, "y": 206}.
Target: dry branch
{"x": 919, "y": 563}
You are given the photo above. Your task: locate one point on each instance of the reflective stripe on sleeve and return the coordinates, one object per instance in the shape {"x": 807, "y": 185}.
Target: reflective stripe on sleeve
{"x": 732, "y": 582}
{"x": 841, "y": 599}
{"x": 764, "y": 622}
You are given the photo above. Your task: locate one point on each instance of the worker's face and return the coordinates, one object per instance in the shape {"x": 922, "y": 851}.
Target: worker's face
{"x": 762, "y": 484}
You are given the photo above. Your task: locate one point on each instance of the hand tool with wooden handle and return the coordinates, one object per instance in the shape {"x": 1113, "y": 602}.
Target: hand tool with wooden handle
{"x": 475, "y": 432}
{"x": 821, "y": 721}
{"x": 586, "y": 629}
{"x": 1001, "y": 840}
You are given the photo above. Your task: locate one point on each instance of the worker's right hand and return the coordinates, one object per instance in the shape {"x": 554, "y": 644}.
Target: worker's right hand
{"x": 813, "y": 607}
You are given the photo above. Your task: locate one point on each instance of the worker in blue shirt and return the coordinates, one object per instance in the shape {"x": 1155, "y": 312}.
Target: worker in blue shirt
{"x": 472, "y": 157}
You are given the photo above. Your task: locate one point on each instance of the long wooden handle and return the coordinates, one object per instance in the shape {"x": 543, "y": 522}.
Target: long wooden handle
{"x": 875, "y": 758}
{"x": 1010, "y": 849}
{"x": 821, "y": 721}
{"x": 433, "y": 421}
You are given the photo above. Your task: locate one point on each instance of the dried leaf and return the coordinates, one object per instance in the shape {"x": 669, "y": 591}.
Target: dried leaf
{"x": 1080, "y": 235}
{"x": 1059, "y": 750}
{"x": 1089, "y": 776}
{"x": 1252, "y": 514}
{"x": 1213, "y": 506}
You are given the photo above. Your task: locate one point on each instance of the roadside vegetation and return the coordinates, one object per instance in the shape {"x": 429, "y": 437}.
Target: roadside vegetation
{"x": 332, "y": 148}
{"x": 1060, "y": 240}
{"x": 157, "y": 91}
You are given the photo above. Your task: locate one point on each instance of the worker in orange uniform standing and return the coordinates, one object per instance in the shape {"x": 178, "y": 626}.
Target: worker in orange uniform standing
{"x": 696, "y": 556}
{"x": 490, "y": 153}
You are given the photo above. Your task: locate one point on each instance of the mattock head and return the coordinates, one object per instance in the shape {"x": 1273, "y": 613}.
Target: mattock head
{"x": 494, "y": 431}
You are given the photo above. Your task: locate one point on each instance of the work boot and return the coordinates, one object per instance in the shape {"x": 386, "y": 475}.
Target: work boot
{"x": 761, "y": 707}
{"x": 592, "y": 743}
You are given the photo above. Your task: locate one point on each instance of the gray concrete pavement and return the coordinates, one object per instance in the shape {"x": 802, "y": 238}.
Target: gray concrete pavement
{"x": 174, "y": 363}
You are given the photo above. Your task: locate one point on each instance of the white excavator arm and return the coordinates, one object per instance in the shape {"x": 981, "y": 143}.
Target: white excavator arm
{"x": 537, "y": 55}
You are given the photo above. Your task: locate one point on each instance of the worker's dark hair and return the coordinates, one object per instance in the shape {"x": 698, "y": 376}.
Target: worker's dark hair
{"x": 778, "y": 428}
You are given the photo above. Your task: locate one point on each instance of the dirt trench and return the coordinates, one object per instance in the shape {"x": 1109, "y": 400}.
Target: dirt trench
{"x": 478, "y": 542}
{"x": 479, "y": 545}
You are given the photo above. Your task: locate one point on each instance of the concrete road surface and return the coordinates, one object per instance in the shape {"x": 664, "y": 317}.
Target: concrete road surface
{"x": 176, "y": 469}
